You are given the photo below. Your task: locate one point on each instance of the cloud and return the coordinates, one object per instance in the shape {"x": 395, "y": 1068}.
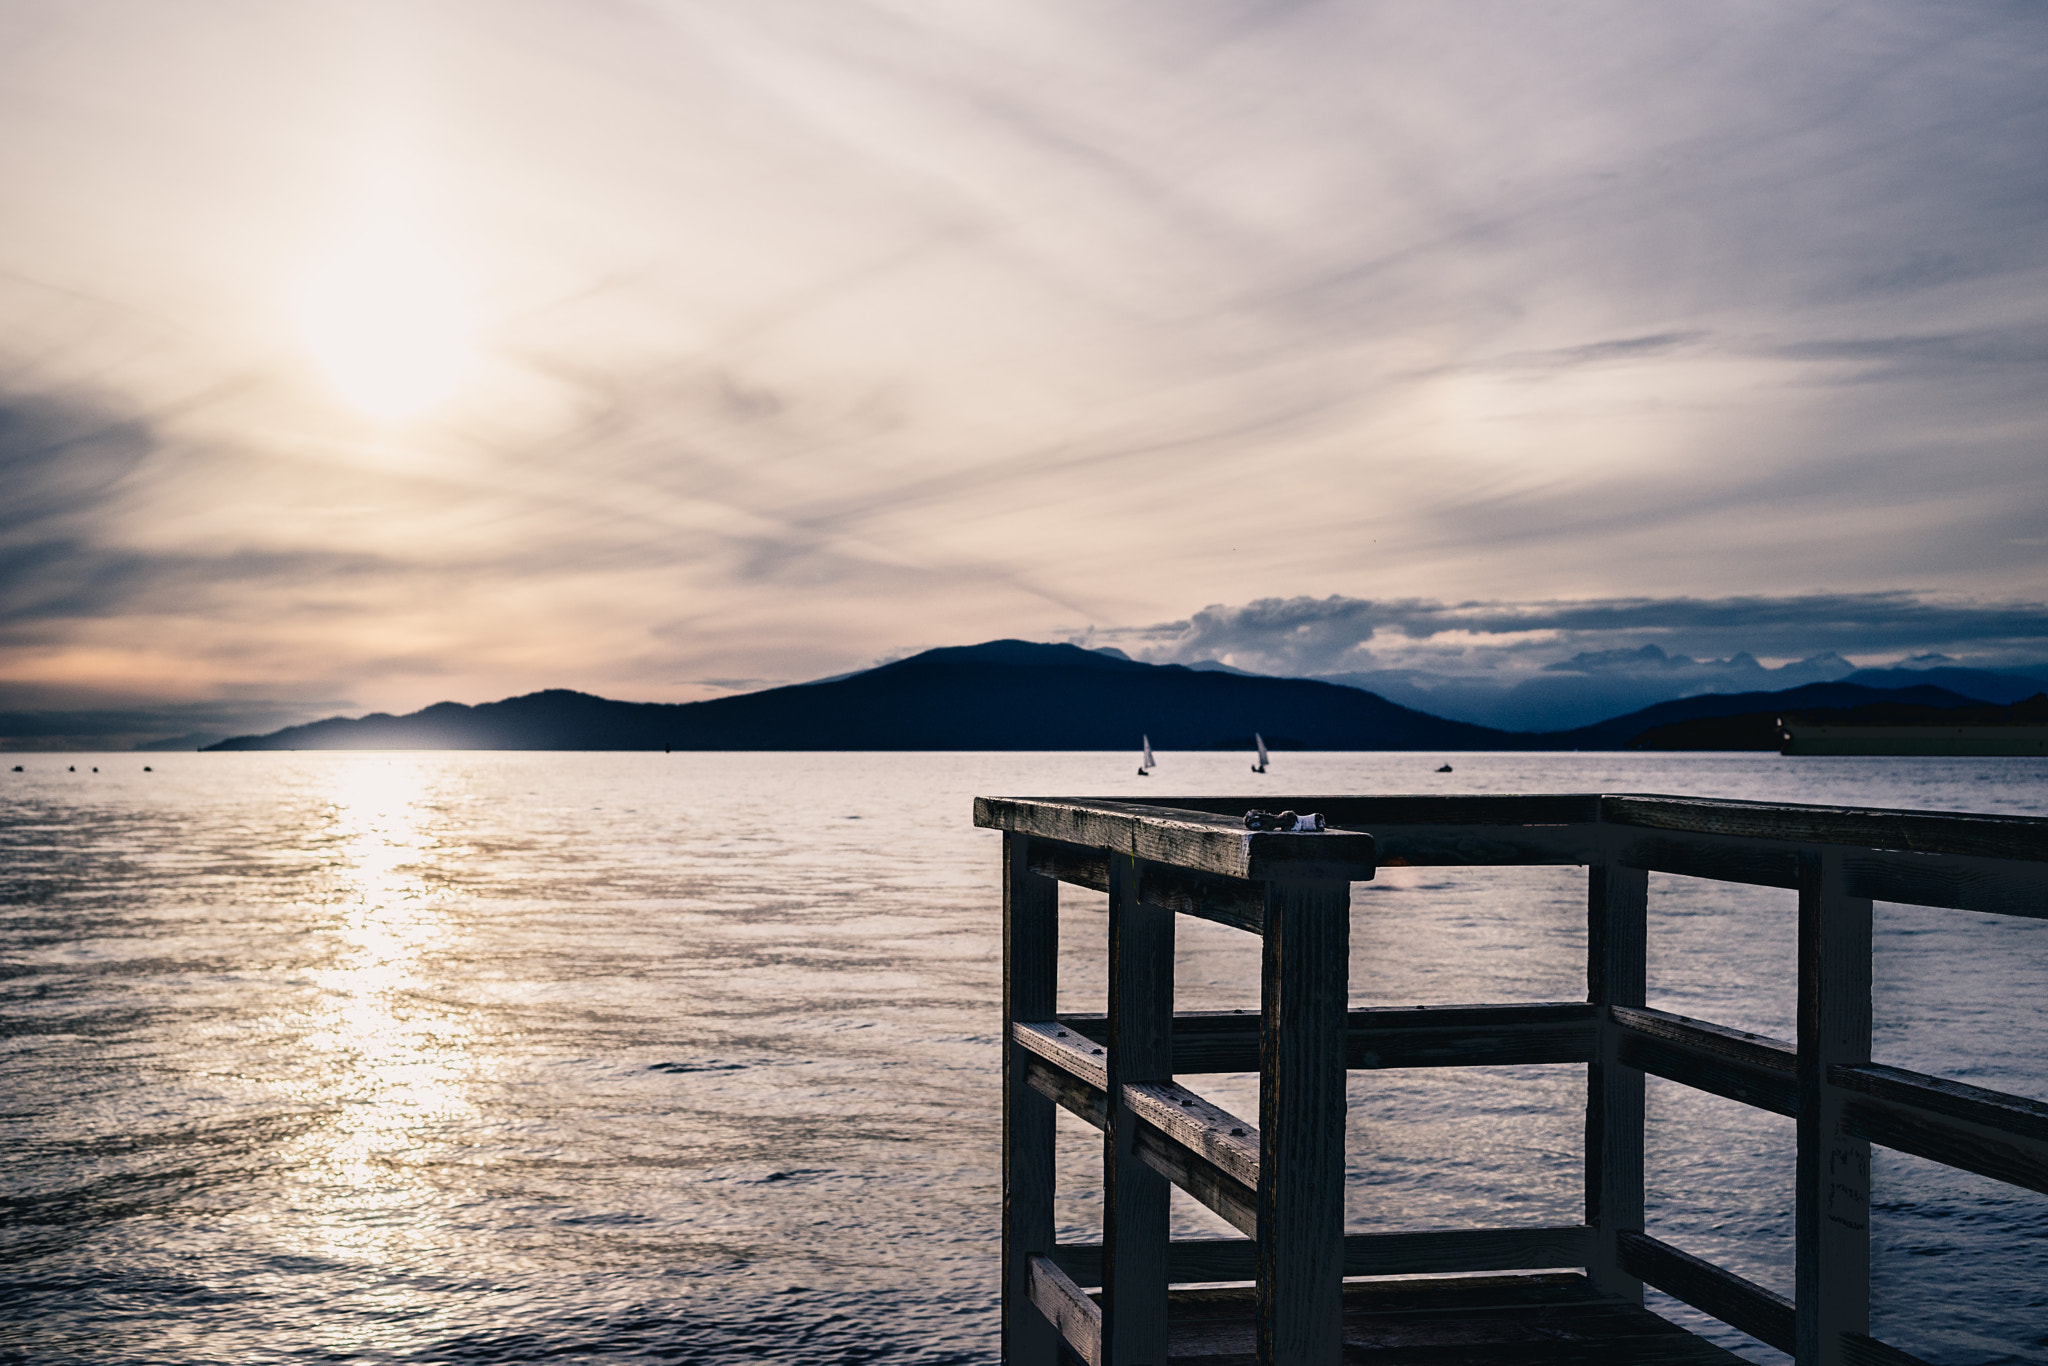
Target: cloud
{"x": 1336, "y": 634}
{"x": 809, "y": 330}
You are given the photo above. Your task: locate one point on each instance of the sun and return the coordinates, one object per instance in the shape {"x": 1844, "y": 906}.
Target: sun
{"x": 385, "y": 318}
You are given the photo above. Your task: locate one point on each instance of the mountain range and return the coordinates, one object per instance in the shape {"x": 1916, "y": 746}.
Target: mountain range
{"x": 1018, "y": 695}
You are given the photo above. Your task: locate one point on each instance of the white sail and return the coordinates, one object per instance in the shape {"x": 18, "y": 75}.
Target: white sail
{"x": 1260, "y": 741}
{"x": 1147, "y": 762}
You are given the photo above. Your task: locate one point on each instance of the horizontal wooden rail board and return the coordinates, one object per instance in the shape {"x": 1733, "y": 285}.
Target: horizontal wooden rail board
{"x": 1422, "y": 808}
{"x": 1741, "y": 1303}
{"x": 1068, "y": 1307}
{"x": 1077, "y": 1097}
{"x": 1427, "y": 1251}
{"x": 1174, "y": 1140}
{"x": 1751, "y": 1068}
{"x": 1392, "y": 1036}
{"x": 1858, "y": 1350}
{"x": 1234, "y": 1201}
{"x": 1184, "y": 838}
{"x": 1924, "y": 832}
{"x": 1954, "y": 881}
{"x": 1209, "y": 896}
{"x": 1208, "y": 1130}
{"x": 1076, "y": 1053}
{"x": 1988, "y": 1132}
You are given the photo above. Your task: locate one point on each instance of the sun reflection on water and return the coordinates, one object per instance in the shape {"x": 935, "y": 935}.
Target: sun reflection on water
{"x": 384, "y": 1050}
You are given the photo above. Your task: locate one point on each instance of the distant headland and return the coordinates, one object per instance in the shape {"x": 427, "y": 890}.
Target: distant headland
{"x": 1018, "y": 695}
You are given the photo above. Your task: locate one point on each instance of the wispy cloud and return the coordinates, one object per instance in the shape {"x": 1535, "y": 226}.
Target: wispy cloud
{"x": 1338, "y": 635}
{"x": 808, "y": 330}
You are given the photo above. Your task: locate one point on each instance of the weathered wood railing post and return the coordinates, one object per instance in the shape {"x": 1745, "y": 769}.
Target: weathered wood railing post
{"x": 1135, "y": 1206}
{"x": 1617, "y": 906}
{"x": 1304, "y": 998}
{"x": 1832, "y": 1204}
{"x": 1030, "y": 983}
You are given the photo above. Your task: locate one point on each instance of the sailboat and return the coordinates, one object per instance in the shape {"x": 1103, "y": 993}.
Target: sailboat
{"x": 1146, "y": 762}
{"x": 1260, "y": 741}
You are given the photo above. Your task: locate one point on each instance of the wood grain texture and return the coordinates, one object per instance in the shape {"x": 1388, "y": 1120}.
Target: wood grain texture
{"x": 1065, "y": 1308}
{"x": 1545, "y": 1319}
{"x": 1763, "y": 1314}
{"x": 1065, "y": 1048}
{"x": 1924, "y": 832}
{"x": 1391, "y": 1036}
{"x": 1030, "y": 968}
{"x": 1859, "y": 1350}
{"x": 1140, "y": 1049}
{"x": 1831, "y": 1205}
{"x": 1236, "y": 1203}
{"x": 1233, "y": 1200}
{"x": 1183, "y": 838}
{"x": 1617, "y": 913}
{"x": 1226, "y": 900}
{"x": 1426, "y": 1251}
{"x": 1751, "y": 1068}
{"x": 1304, "y": 988}
{"x": 1087, "y": 1103}
{"x": 1209, "y": 1131}
{"x": 1988, "y": 1132}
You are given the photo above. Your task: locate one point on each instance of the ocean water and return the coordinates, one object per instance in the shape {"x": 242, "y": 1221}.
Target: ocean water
{"x": 634, "y": 1057}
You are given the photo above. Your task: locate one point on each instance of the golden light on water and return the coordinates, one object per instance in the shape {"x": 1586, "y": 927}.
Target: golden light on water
{"x": 394, "y": 1061}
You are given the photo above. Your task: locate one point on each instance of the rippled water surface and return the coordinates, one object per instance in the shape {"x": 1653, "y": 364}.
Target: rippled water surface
{"x": 509, "y": 1057}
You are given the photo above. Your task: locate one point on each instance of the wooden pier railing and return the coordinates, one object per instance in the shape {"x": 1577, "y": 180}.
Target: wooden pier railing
{"x": 1280, "y": 1182}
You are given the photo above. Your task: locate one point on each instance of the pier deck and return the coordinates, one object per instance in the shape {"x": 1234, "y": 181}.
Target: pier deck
{"x": 1533, "y": 1319}
{"x": 1300, "y": 1296}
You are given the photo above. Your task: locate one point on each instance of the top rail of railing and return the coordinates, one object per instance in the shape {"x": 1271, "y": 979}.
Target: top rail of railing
{"x": 1990, "y": 863}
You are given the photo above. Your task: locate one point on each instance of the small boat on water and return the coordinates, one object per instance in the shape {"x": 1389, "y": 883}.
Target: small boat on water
{"x": 1146, "y": 763}
{"x": 1260, "y": 741}
{"x": 1445, "y": 769}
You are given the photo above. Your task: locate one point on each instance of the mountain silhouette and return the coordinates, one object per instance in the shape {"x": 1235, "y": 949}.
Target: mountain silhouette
{"x": 1003, "y": 695}
{"x": 1018, "y": 695}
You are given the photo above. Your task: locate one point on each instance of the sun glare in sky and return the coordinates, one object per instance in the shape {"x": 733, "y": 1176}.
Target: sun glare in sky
{"x": 385, "y": 317}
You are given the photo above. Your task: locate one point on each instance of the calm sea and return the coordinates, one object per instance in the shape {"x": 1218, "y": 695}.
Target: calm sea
{"x": 616, "y": 1057}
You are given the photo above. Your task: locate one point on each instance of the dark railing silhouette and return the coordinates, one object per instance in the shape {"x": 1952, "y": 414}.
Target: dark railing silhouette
{"x": 1280, "y": 1182}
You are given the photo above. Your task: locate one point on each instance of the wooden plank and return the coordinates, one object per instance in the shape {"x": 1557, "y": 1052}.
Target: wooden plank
{"x": 1752, "y": 1068}
{"x": 1210, "y": 1131}
{"x": 1432, "y": 1251}
{"x": 1182, "y": 838}
{"x": 1750, "y": 850}
{"x": 1218, "y": 1190}
{"x": 1831, "y": 1207}
{"x": 1030, "y": 981}
{"x": 1412, "y": 808}
{"x": 1378, "y": 1037}
{"x": 1065, "y": 1308}
{"x": 1064, "y": 1048}
{"x": 1859, "y": 1350}
{"x": 1531, "y": 1319}
{"x": 1995, "y": 886}
{"x": 1209, "y": 896}
{"x": 1085, "y": 1102}
{"x": 1135, "y": 1211}
{"x": 1741, "y": 1303}
{"x": 1955, "y": 881}
{"x": 1420, "y": 1252}
{"x": 1305, "y": 959}
{"x": 1993, "y": 1134}
{"x": 1617, "y": 923}
{"x": 1926, "y": 832}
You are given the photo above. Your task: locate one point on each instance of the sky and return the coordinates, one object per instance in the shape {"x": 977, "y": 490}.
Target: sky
{"x": 363, "y": 355}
